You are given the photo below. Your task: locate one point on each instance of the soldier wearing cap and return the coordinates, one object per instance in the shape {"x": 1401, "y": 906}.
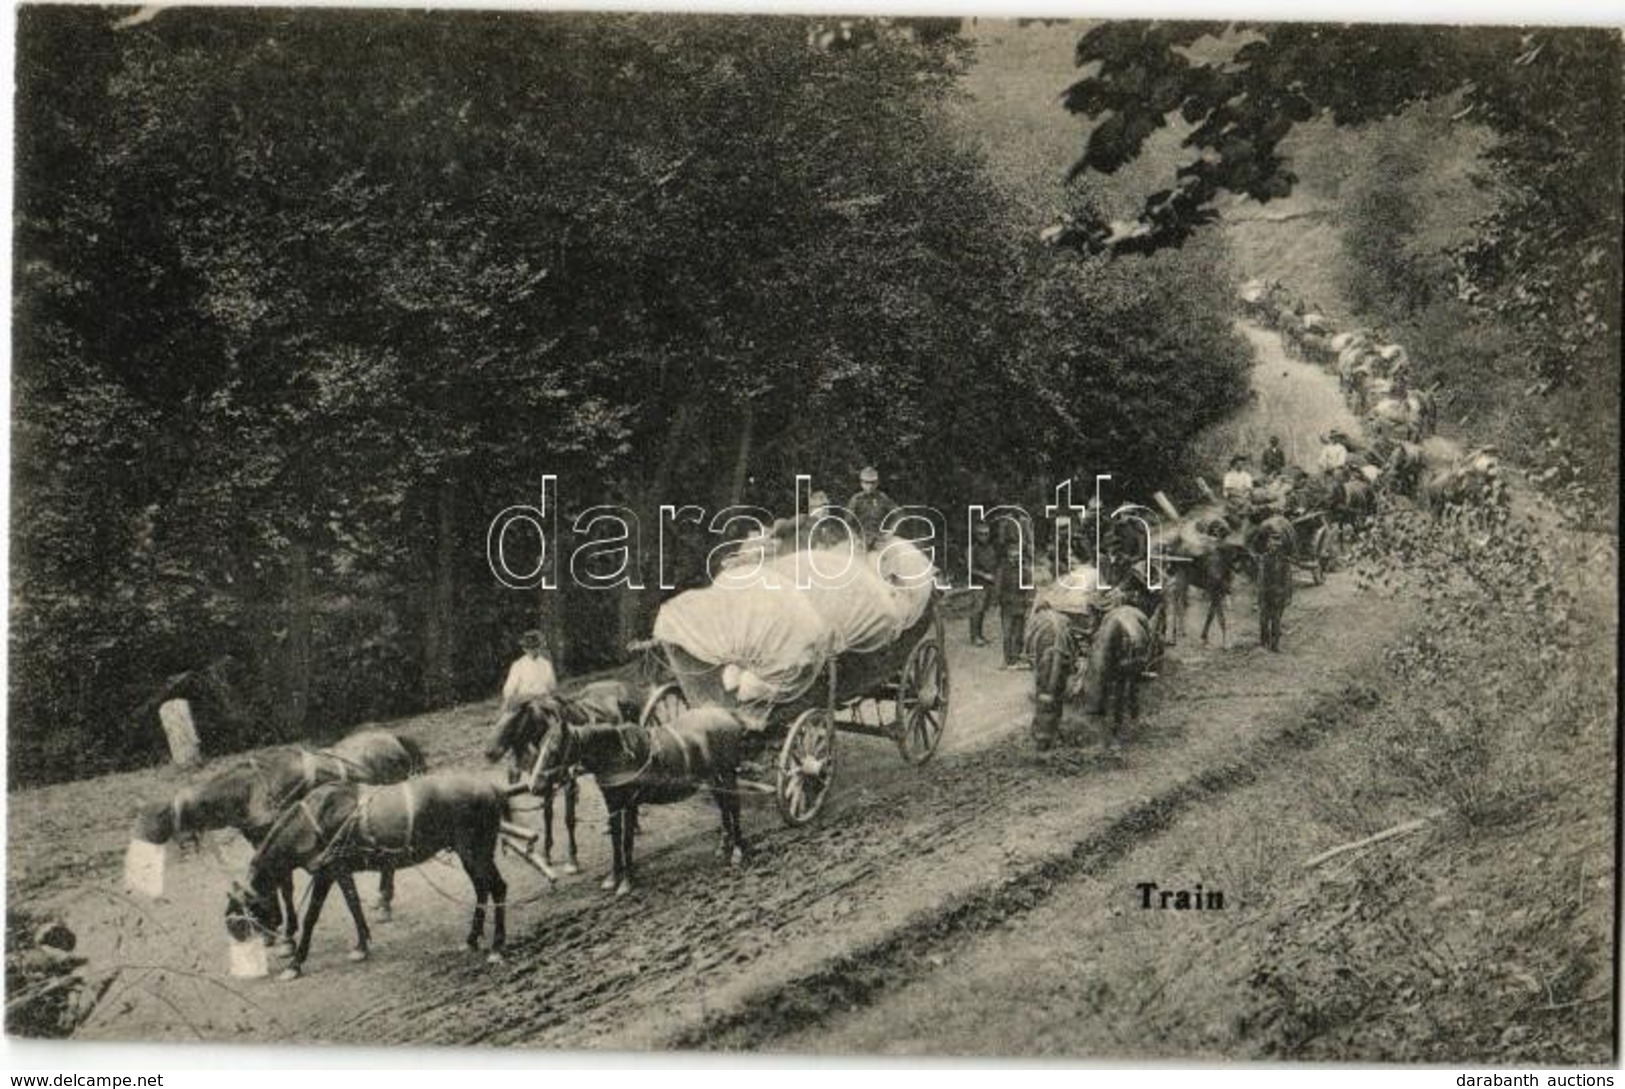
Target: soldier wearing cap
{"x": 1274, "y": 459}
{"x": 529, "y": 677}
{"x": 981, "y": 564}
{"x": 871, "y": 505}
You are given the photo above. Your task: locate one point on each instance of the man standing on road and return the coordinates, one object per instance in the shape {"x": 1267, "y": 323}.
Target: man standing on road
{"x": 1014, "y": 597}
{"x": 870, "y": 506}
{"x": 981, "y": 562}
{"x": 529, "y": 677}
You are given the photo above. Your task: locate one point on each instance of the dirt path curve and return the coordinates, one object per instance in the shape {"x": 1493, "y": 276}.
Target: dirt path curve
{"x": 902, "y": 867}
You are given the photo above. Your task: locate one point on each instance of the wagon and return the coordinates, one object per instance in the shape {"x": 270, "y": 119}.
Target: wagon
{"x": 1316, "y": 549}
{"x": 898, "y": 691}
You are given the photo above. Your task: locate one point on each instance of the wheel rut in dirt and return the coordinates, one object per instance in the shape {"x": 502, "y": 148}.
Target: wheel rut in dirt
{"x": 912, "y": 952}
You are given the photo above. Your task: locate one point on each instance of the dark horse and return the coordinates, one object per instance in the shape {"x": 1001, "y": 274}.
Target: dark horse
{"x": 340, "y": 828}
{"x": 666, "y": 763}
{"x": 521, "y": 735}
{"x": 1113, "y": 659}
{"x": 1276, "y": 542}
{"x": 252, "y": 792}
{"x": 1212, "y": 571}
{"x": 1117, "y": 657}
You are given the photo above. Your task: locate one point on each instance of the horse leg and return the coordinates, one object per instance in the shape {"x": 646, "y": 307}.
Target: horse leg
{"x": 290, "y": 915}
{"x": 726, "y": 789}
{"x": 1049, "y": 677}
{"x": 384, "y": 905}
{"x": 547, "y": 823}
{"x": 478, "y": 876}
{"x": 352, "y": 900}
{"x": 499, "y": 909}
{"x": 319, "y": 884}
{"x": 617, "y": 818}
{"x": 629, "y": 833}
{"x": 572, "y": 793}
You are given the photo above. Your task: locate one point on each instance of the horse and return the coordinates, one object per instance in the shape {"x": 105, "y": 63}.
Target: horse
{"x": 521, "y": 735}
{"x": 1054, "y": 642}
{"x": 341, "y": 828}
{"x": 1277, "y": 543}
{"x": 253, "y": 791}
{"x": 1353, "y": 502}
{"x": 1211, "y": 570}
{"x": 667, "y": 763}
{"x": 1111, "y": 682}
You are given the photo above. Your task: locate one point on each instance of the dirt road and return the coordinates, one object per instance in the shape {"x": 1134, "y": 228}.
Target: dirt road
{"x": 884, "y": 897}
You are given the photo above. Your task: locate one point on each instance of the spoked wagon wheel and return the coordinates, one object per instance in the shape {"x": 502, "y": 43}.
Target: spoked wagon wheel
{"x": 922, "y": 701}
{"x": 1324, "y": 547}
{"x": 663, "y": 706}
{"x": 806, "y": 766}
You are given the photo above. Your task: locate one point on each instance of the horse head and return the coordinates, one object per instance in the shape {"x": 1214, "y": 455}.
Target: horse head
{"x": 253, "y": 910}
{"x": 559, "y": 752}
{"x": 524, "y": 728}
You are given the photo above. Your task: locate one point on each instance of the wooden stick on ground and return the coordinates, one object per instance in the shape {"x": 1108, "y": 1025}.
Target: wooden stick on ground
{"x": 1397, "y": 830}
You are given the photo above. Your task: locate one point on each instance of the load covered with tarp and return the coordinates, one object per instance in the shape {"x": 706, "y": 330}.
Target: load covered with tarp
{"x": 771, "y": 626}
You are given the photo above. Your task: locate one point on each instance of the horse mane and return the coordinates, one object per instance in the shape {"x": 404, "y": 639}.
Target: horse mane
{"x": 416, "y": 763}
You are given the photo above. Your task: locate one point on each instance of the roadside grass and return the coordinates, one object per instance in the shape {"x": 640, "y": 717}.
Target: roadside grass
{"x": 1485, "y": 934}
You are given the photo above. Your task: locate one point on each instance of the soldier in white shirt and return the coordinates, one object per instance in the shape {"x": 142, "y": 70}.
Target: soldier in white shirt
{"x": 1333, "y": 455}
{"x": 530, "y": 676}
{"x": 1238, "y": 482}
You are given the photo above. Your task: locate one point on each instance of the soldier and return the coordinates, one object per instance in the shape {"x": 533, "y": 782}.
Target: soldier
{"x": 871, "y": 505}
{"x": 529, "y": 677}
{"x": 1274, "y": 459}
{"x": 981, "y": 562}
{"x": 1014, "y": 597}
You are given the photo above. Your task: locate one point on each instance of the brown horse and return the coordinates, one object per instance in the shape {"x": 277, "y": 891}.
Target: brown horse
{"x": 1212, "y": 572}
{"x": 341, "y": 828}
{"x": 521, "y": 735}
{"x": 1111, "y": 684}
{"x": 666, "y": 763}
{"x": 250, "y": 793}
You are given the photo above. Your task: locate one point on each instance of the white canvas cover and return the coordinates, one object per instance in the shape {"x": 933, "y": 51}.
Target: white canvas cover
{"x": 779, "y": 621}
{"x": 774, "y": 634}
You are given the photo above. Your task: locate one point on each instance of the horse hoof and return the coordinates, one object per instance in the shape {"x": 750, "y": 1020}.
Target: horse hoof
{"x": 282, "y": 949}
{"x": 496, "y": 958}
{"x": 737, "y": 858}
{"x": 570, "y": 867}
{"x": 623, "y": 889}
{"x": 356, "y": 956}
{"x": 382, "y": 913}
{"x": 288, "y": 975}
{"x": 608, "y": 883}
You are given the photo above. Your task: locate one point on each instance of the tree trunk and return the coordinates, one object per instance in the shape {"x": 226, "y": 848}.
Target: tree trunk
{"x": 439, "y": 634}
{"x": 295, "y": 704}
{"x": 741, "y": 473}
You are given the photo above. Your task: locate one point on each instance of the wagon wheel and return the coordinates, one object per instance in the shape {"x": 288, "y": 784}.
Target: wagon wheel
{"x": 1325, "y": 547}
{"x": 922, "y": 701}
{"x": 806, "y": 766}
{"x": 663, "y": 706}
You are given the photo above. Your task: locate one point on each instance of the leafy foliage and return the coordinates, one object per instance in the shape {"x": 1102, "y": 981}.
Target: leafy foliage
{"x": 305, "y": 297}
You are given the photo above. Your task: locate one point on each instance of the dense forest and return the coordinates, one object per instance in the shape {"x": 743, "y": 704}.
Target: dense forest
{"x": 303, "y": 298}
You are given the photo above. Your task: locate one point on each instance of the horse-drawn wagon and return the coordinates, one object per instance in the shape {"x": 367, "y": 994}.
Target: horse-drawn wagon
{"x": 799, "y": 655}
